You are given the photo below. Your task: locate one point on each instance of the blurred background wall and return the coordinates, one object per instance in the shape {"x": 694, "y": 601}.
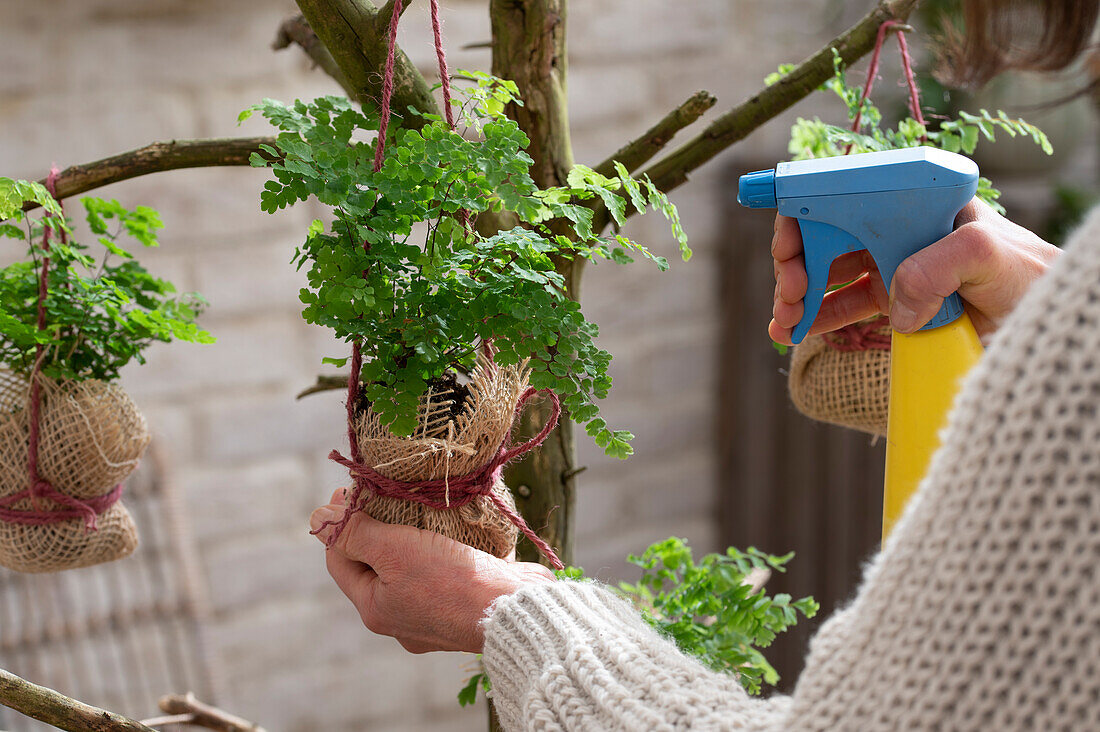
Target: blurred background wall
{"x": 695, "y": 375}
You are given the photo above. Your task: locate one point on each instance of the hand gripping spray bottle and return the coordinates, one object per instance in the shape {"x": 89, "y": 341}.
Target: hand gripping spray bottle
{"x": 892, "y": 204}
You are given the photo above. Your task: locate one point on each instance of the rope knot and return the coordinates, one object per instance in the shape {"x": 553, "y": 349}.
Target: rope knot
{"x": 869, "y": 335}
{"x": 448, "y": 493}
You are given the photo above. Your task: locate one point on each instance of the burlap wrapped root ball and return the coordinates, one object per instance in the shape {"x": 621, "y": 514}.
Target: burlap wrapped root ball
{"x": 833, "y": 379}
{"x": 91, "y": 438}
{"x": 448, "y": 445}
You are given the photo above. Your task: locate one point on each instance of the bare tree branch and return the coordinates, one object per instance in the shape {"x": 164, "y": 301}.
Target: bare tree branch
{"x": 204, "y": 715}
{"x": 636, "y": 153}
{"x": 156, "y": 157}
{"x": 168, "y": 719}
{"x": 324, "y": 383}
{"x": 357, "y": 35}
{"x": 296, "y": 30}
{"x": 736, "y": 124}
{"x": 54, "y": 708}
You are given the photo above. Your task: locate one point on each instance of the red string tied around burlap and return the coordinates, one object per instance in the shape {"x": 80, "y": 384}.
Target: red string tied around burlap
{"x": 449, "y": 493}
{"x": 87, "y": 509}
{"x": 37, "y": 486}
{"x": 868, "y": 335}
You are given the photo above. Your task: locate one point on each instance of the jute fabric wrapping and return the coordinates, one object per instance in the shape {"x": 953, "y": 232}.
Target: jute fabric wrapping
{"x": 847, "y": 387}
{"x": 441, "y": 448}
{"x": 91, "y": 438}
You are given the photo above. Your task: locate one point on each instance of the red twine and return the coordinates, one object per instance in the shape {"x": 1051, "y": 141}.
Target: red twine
{"x": 867, "y": 336}
{"x": 38, "y": 487}
{"x": 450, "y": 493}
{"x": 872, "y": 74}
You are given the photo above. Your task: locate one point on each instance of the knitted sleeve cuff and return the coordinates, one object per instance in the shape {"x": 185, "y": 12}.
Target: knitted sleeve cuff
{"x": 572, "y": 655}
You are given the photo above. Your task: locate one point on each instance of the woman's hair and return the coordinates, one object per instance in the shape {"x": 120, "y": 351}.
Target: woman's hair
{"x": 998, "y": 35}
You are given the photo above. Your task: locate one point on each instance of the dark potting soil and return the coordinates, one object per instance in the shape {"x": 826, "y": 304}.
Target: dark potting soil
{"x": 458, "y": 394}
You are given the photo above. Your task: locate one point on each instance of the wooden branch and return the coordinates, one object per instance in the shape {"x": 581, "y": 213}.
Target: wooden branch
{"x": 324, "y": 383}
{"x": 356, "y": 33}
{"x": 54, "y": 708}
{"x": 385, "y": 13}
{"x": 168, "y": 719}
{"x": 204, "y": 715}
{"x": 158, "y": 156}
{"x": 736, "y": 124}
{"x": 636, "y": 153}
{"x": 529, "y": 49}
{"x": 296, "y": 30}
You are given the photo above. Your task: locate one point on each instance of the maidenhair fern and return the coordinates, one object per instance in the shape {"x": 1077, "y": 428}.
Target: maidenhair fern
{"x": 396, "y": 269}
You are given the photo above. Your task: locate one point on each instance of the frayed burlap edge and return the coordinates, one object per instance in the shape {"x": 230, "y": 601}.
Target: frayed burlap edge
{"x": 92, "y": 437}
{"x": 441, "y": 447}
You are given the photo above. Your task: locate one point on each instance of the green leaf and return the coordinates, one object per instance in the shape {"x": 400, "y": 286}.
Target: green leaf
{"x": 467, "y": 695}
{"x": 969, "y": 138}
{"x": 102, "y": 313}
{"x": 708, "y": 609}
{"x": 419, "y": 303}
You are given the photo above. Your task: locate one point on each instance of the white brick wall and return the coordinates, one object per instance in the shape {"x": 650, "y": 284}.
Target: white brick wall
{"x": 81, "y": 79}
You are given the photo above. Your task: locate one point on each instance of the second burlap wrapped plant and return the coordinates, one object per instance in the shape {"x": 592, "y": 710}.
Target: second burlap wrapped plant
{"x": 844, "y": 377}
{"x": 69, "y": 436}
{"x": 447, "y": 476}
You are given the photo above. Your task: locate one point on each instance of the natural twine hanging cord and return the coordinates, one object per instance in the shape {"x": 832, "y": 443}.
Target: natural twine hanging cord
{"x": 843, "y": 377}
{"x": 447, "y": 493}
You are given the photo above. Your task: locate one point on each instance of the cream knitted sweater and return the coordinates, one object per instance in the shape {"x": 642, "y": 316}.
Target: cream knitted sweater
{"x": 982, "y": 612}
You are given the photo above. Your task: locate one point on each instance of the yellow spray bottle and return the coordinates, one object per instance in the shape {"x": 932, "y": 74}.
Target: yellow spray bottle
{"x": 893, "y": 204}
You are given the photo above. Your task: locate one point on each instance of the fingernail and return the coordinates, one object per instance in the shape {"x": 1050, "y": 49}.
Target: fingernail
{"x": 903, "y": 318}
{"x": 775, "y": 238}
{"x": 318, "y": 518}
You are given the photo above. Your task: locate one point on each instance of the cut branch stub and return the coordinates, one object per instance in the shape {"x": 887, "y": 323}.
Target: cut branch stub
{"x": 638, "y": 152}
{"x": 296, "y": 30}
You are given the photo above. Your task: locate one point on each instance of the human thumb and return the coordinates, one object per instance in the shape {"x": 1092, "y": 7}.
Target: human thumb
{"x": 922, "y": 281}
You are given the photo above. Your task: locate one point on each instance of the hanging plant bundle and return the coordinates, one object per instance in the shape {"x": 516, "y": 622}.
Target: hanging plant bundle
{"x": 405, "y": 274}
{"x": 69, "y": 437}
{"x": 844, "y": 377}
{"x": 460, "y": 431}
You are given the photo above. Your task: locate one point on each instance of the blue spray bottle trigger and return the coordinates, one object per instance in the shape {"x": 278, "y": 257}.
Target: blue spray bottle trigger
{"x": 890, "y": 203}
